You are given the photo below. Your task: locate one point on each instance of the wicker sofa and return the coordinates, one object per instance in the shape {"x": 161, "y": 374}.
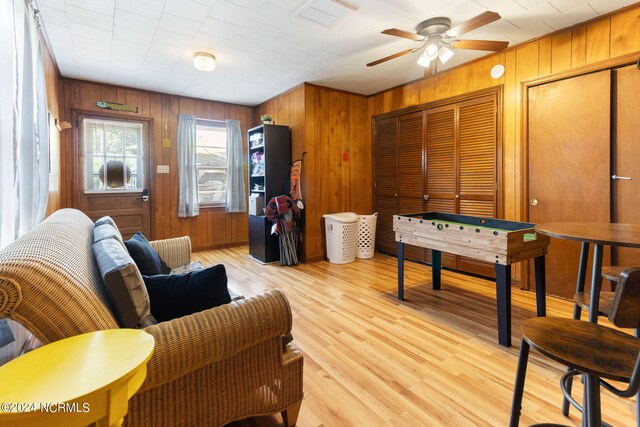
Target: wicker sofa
{"x": 208, "y": 369}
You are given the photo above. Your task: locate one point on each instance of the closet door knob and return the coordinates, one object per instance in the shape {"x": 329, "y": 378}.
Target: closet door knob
{"x": 624, "y": 178}
{"x": 534, "y": 202}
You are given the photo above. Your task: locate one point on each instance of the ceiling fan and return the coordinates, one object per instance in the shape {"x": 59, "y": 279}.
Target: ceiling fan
{"x": 438, "y": 40}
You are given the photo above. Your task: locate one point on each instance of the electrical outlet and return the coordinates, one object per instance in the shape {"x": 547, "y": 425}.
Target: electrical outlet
{"x": 163, "y": 169}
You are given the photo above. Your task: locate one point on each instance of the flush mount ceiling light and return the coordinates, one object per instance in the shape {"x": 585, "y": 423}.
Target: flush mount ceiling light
{"x": 204, "y": 61}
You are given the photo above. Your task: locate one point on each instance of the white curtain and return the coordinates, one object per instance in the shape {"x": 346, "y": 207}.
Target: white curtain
{"x": 236, "y": 200}
{"x": 24, "y": 132}
{"x": 188, "y": 204}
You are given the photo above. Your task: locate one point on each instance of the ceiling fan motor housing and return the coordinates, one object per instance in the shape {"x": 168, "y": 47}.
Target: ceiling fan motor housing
{"x": 438, "y": 25}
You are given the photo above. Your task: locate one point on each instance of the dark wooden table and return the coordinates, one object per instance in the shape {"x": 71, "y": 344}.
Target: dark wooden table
{"x": 497, "y": 241}
{"x": 598, "y": 234}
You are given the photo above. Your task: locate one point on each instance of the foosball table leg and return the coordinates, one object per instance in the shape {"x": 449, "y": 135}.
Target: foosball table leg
{"x": 436, "y": 269}
{"x": 401, "y": 271}
{"x": 503, "y": 296}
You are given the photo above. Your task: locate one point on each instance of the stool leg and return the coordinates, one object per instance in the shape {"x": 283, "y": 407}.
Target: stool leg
{"x": 591, "y": 411}
{"x": 518, "y": 388}
{"x": 577, "y": 310}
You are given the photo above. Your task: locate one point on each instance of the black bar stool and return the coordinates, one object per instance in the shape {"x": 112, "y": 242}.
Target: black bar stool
{"x": 595, "y": 351}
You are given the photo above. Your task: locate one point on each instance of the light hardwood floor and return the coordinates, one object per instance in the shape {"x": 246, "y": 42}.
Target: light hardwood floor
{"x": 432, "y": 360}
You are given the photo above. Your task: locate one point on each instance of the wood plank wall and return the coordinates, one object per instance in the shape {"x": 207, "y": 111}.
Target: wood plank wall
{"x": 600, "y": 40}
{"x": 333, "y": 128}
{"x": 213, "y": 227}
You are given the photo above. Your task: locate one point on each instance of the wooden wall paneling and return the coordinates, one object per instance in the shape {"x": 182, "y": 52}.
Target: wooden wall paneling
{"x": 625, "y": 32}
{"x": 354, "y": 153}
{"x": 578, "y": 47}
{"x": 597, "y": 41}
{"x": 460, "y": 81}
{"x": 545, "y": 47}
{"x": 442, "y": 85}
{"x": 561, "y": 52}
{"x": 509, "y": 132}
{"x": 134, "y": 98}
{"x": 156, "y": 153}
{"x": 324, "y": 155}
{"x": 526, "y": 68}
{"x": 427, "y": 90}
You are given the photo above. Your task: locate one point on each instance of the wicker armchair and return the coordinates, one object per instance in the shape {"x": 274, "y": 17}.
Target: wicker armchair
{"x": 209, "y": 368}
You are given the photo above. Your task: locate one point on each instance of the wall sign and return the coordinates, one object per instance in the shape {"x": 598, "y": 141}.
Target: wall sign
{"x": 117, "y": 107}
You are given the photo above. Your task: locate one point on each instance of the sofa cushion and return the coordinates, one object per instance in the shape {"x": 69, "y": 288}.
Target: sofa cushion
{"x": 124, "y": 284}
{"x": 107, "y": 231}
{"x": 146, "y": 258}
{"x": 177, "y": 295}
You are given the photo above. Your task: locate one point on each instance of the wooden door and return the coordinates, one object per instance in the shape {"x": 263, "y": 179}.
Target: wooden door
{"x": 626, "y": 157}
{"x": 113, "y": 171}
{"x": 386, "y": 181}
{"x": 410, "y": 163}
{"x": 477, "y": 168}
{"x": 440, "y": 174}
{"x": 569, "y": 164}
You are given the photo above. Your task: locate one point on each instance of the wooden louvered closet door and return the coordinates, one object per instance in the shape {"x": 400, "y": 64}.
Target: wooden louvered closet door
{"x": 410, "y": 166}
{"x": 398, "y": 175}
{"x": 437, "y": 159}
{"x": 440, "y": 174}
{"x": 476, "y": 164}
{"x": 386, "y": 171}
{"x": 461, "y": 166}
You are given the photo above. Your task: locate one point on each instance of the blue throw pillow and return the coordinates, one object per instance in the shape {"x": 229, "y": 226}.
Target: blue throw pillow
{"x": 177, "y": 295}
{"x": 146, "y": 258}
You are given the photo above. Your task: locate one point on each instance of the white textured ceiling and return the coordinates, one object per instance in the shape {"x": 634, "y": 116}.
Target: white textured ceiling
{"x": 262, "y": 49}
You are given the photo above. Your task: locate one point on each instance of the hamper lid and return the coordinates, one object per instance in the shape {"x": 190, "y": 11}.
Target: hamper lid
{"x": 342, "y": 217}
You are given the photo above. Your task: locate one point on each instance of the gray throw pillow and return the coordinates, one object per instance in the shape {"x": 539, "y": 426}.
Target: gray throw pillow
{"x": 106, "y": 231}
{"x": 124, "y": 284}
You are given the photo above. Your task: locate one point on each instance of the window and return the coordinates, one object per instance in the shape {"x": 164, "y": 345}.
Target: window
{"x": 211, "y": 162}
{"x": 113, "y": 155}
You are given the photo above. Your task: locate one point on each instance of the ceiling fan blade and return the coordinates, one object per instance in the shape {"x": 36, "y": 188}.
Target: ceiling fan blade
{"x": 491, "y": 45}
{"x": 401, "y": 33}
{"x": 387, "y": 58}
{"x": 473, "y": 23}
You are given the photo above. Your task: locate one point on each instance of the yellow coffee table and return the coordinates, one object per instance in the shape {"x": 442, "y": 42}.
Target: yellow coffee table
{"x": 76, "y": 381}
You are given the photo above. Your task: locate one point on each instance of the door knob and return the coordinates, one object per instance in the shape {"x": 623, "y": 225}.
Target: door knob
{"x": 534, "y": 202}
{"x": 144, "y": 196}
{"x": 426, "y": 197}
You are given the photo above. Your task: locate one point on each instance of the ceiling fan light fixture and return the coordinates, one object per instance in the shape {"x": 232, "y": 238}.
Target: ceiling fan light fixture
{"x": 431, "y": 51}
{"x": 423, "y": 61}
{"x": 204, "y": 61}
{"x": 445, "y": 54}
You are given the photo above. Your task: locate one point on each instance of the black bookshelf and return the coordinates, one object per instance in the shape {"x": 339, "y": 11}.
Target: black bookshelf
{"x": 271, "y": 143}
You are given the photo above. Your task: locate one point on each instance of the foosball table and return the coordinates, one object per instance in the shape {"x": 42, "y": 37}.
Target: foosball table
{"x": 497, "y": 241}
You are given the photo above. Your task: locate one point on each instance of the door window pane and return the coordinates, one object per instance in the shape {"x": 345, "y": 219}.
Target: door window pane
{"x": 113, "y": 155}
